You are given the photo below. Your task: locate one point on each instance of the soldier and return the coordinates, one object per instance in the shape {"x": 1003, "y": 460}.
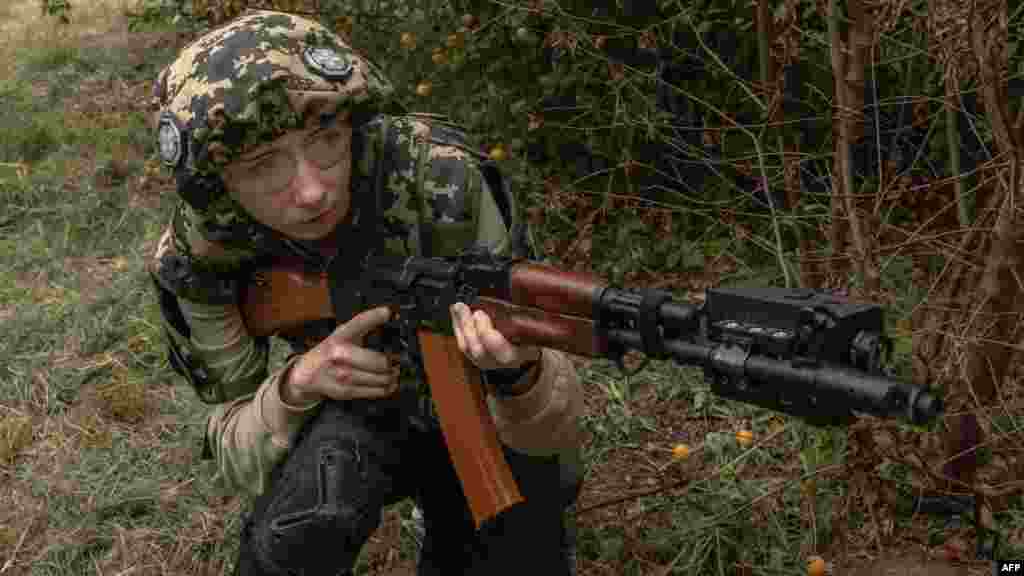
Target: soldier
{"x": 282, "y": 148}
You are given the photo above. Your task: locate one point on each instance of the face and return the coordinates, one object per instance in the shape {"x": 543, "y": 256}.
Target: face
{"x": 299, "y": 183}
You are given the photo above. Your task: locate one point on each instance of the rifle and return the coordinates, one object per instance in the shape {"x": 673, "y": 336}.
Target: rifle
{"x": 801, "y": 352}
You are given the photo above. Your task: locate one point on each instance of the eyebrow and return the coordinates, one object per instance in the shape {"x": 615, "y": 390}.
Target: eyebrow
{"x": 326, "y": 121}
{"x": 252, "y": 156}
{"x": 258, "y": 155}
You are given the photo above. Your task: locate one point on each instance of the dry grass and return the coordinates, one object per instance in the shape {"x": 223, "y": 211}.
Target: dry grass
{"x": 23, "y": 27}
{"x": 15, "y": 434}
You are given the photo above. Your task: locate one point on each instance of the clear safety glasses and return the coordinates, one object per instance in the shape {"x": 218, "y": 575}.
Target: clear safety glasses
{"x": 273, "y": 171}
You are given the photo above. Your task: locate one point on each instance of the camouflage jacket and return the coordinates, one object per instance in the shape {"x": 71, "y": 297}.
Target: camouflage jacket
{"x": 435, "y": 201}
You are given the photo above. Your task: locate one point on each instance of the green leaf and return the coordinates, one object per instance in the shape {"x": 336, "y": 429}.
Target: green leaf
{"x": 693, "y": 260}
{"x": 903, "y": 345}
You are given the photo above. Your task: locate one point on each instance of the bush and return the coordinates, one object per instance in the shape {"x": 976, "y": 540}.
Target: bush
{"x": 613, "y": 120}
{"x": 154, "y": 13}
{"x": 27, "y": 134}
{"x": 59, "y": 9}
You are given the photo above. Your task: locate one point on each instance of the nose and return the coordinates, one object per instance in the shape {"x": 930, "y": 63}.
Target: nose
{"x": 309, "y": 191}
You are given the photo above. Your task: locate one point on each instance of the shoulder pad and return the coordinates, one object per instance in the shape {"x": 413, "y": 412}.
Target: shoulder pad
{"x": 178, "y": 272}
{"x": 439, "y": 130}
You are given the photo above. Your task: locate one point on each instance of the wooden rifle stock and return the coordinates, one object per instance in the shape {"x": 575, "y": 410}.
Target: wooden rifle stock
{"x": 280, "y": 300}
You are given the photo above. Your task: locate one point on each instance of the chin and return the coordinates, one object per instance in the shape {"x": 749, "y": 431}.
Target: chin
{"x": 308, "y": 235}
{"x": 316, "y": 229}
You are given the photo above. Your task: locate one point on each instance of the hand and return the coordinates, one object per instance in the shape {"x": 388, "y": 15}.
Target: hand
{"x": 340, "y": 368}
{"x": 485, "y": 347}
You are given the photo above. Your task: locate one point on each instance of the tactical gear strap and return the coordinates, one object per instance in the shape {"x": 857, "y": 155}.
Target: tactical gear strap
{"x": 177, "y": 332}
{"x": 508, "y": 208}
{"x": 180, "y": 355}
{"x": 176, "y": 275}
{"x": 444, "y": 135}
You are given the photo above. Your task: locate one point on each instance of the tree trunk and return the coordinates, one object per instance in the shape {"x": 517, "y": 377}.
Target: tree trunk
{"x": 848, "y": 69}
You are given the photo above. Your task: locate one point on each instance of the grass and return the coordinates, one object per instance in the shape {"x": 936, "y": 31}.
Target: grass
{"x": 99, "y": 439}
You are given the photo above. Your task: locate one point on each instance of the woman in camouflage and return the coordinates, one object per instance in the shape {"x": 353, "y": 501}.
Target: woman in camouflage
{"x": 281, "y": 147}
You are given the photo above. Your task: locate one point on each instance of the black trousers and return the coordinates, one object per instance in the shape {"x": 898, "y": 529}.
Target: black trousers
{"x": 354, "y": 458}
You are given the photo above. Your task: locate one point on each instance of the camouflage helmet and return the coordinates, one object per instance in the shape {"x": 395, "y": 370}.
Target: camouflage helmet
{"x": 238, "y": 86}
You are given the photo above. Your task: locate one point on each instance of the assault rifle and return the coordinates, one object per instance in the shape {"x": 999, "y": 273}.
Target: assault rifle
{"x": 800, "y": 352}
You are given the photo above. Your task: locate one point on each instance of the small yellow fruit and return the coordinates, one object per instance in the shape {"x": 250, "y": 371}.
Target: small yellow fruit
{"x": 424, "y": 89}
{"x": 439, "y": 58}
{"x": 809, "y": 487}
{"x": 498, "y": 153}
{"x": 745, "y": 437}
{"x": 815, "y": 566}
{"x": 453, "y": 40}
{"x": 680, "y": 452}
{"x": 344, "y": 24}
{"x": 408, "y": 40}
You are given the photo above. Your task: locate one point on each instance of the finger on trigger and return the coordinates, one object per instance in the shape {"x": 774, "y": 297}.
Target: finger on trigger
{"x": 363, "y": 323}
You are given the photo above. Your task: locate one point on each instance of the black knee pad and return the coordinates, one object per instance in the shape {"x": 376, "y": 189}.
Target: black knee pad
{"x": 326, "y": 498}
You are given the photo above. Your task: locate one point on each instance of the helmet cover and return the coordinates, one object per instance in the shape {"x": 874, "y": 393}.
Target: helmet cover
{"x": 246, "y": 84}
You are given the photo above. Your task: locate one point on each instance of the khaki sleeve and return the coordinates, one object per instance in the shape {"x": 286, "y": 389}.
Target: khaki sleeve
{"x": 250, "y": 434}
{"x": 218, "y": 336}
{"x": 250, "y": 428}
{"x": 545, "y": 420}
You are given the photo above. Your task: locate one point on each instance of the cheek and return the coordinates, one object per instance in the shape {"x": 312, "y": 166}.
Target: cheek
{"x": 331, "y": 177}
{"x": 270, "y": 210}
{"x": 337, "y": 180}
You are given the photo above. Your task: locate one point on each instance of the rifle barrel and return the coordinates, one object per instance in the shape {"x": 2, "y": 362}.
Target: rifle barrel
{"x": 780, "y": 383}
{"x": 874, "y": 394}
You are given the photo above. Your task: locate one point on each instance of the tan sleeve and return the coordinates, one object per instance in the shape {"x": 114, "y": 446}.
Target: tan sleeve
{"x": 252, "y": 433}
{"x": 545, "y": 420}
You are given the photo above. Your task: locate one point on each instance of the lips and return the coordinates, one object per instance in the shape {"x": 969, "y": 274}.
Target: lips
{"x": 322, "y": 218}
